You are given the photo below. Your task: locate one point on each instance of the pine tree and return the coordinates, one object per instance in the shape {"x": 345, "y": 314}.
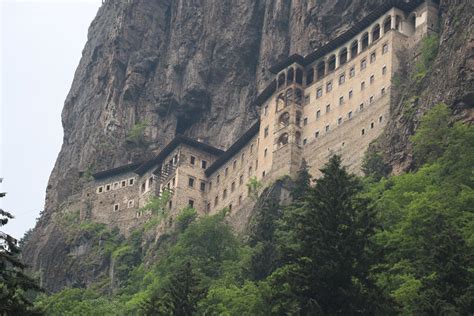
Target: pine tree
{"x": 325, "y": 241}
{"x": 14, "y": 283}
{"x": 302, "y": 183}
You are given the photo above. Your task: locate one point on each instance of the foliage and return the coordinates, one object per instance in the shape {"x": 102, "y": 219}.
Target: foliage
{"x": 374, "y": 166}
{"x": 137, "y": 134}
{"x": 325, "y": 244}
{"x": 302, "y": 183}
{"x": 432, "y": 135}
{"x": 254, "y": 186}
{"x": 157, "y": 204}
{"x": 15, "y": 285}
{"x": 185, "y": 218}
{"x": 428, "y": 51}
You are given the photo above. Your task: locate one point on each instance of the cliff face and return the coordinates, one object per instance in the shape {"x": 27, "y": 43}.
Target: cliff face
{"x": 193, "y": 67}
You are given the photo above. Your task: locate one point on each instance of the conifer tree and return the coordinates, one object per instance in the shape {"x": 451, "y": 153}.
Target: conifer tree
{"x": 302, "y": 183}
{"x": 325, "y": 241}
{"x": 14, "y": 283}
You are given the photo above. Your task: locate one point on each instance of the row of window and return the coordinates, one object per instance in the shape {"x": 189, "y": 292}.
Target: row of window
{"x": 341, "y": 102}
{"x": 352, "y": 72}
{"x": 130, "y": 204}
{"x": 339, "y": 122}
{"x": 115, "y": 186}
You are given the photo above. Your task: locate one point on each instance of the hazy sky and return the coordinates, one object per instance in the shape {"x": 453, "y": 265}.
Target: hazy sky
{"x": 40, "y": 47}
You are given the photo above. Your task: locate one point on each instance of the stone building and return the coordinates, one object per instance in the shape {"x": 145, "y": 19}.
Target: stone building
{"x": 336, "y": 100}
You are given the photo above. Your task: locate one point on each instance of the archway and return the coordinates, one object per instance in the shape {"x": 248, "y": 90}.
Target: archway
{"x": 376, "y": 33}
{"x": 332, "y": 63}
{"x": 354, "y": 48}
{"x": 343, "y": 56}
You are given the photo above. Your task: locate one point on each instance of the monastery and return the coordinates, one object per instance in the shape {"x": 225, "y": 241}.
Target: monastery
{"x": 336, "y": 100}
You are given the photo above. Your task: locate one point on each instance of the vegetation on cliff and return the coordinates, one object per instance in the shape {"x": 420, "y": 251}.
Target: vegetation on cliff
{"x": 373, "y": 245}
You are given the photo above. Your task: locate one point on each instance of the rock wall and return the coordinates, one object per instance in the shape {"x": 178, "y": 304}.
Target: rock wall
{"x": 193, "y": 67}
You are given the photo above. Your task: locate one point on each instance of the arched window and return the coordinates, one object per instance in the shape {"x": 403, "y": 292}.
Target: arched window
{"x": 354, "y": 48}
{"x": 411, "y": 25}
{"x": 365, "y": 41}
{"x": 299, "y": 76}
{"x": 343, "y": 56}
{"x": 290, "y": 77}
{"x": 281, "y": 80}
{"x": 387, "y": 24}
{"x": 332, "y": 63}
{"x": 280, "y": 101}
{"x": 284, "y": 119}
{"x": 283, "y": 139}
{"x": 310, "y": 76}
{"x": 298, "y": 96}
{"x": 298, "y": 118}
{"x": 298, "y": 138}
{"x": 398, "y": 22}
{"x": 288, "y": 96}
{"x": 376, "y": 33}
{"x": 321, "y": 69}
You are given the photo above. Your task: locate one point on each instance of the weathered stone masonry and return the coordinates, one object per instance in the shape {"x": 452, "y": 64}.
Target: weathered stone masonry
{"x": 334, "y": 100}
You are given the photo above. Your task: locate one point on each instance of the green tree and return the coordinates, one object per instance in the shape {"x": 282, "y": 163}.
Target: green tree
{"x": 374, "y": 166}
{"x": 325, "y": 241}
{"x": 14, "y": 283}
{"x": 302, "y": 183}
{"x": 432, "y": 136}
{"x": 137, "y": 134}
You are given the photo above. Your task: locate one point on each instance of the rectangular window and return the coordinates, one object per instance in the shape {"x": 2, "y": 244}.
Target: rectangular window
{"x": 316, "y": 135}
{"x": 319, "y": 93}
{"x": 232, "y": 187}
{"x": 327, "y": 128}
{"x": 226, "y": 172}
{"x": 203, "y": 186}
{"x": 349, "y": 115}
{"x": 371, "y": 99}
{"x": 380, "y": 119}
{"x": 190, "y": 182}
{"x": 342, "y": 79}
{"x": 341, "y": 100}
{"x": 361, "y": 106}
{"x": 250, "y": 170}
{"x": 328, "y": 108}
{"x": 263, "y": 174}
{"x": 372, "y": 125}
{"x": 191, "y": 203}
{"x": 265, "y": 152}
{"x": 352, "y": 72}
{"x": 329, "y": 86}
{"x": 382, "y": 91}
{"x": 241, "y": 179}
{"x": 123, "y": 183}
{"x": 362, "y": 85}
{"x": 363, "y": 132}
{"x": 216, "y": 200}
{"x": 385, "y": 48}
{"x": 304, "y": 141}
{"x": 339, "y": 121}
{"x": 130, "y": 203}
{"x": 240, "y": 199}
{"x": 116, "y": 185}
{"x": 265, "y": 133}
{"x": 384, "y": 70}
{"x": 372, "y": 79}
{"x": 318, "y": 114}
{"x": 350, "y": 94}
{"x": 224, "y": 194}
{"x": 234, "y": 165}
{"x": 170, "y": 204}
{"x": 100, "y": 189}
{"x": 130, "y": 181}
{"x": 218, "y": 178}
{"x": 116, "y": 207}
{"x": 305, "y": 121}
{"x": 192, "y": 160}
{"x": 306, "y": 99}
{"x": 363, "y": 64}
{"x": 265, "y": 110}
{"x": 372, "y": 57}
{"x": 203, "y": 164}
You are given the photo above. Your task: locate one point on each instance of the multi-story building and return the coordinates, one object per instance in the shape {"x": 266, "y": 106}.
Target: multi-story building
{"x": 336, "y": 100}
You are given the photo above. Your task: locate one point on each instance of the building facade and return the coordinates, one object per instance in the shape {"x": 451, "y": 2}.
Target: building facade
{"x": 336, "y": 100}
